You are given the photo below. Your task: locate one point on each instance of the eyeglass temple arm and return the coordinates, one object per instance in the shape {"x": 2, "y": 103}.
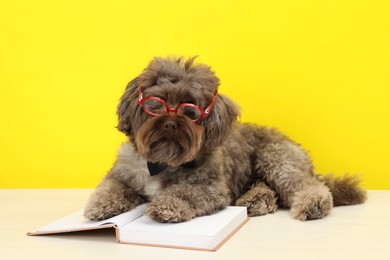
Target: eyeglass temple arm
{"x": 140, "y": 97}
{"x": 207, "y": 111}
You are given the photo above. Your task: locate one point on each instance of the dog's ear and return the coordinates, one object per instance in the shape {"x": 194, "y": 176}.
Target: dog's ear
{"x": 220, "y": 121}
{"x": 128, "y": 108}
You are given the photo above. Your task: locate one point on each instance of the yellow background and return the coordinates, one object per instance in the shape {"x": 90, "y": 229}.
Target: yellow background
{"x": 317, "y": 70}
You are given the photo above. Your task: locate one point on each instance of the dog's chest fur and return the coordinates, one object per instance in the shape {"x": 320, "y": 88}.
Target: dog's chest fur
{"x": 131, "y": 169}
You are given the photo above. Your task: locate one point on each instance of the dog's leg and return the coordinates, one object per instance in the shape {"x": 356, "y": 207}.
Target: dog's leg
{"x": 259, "y": 200}
{"x": 312, "y": 201}
{"x": 111, "y": 198}
{"x": 182, "y": 202}
{"x": 287, "y": 168}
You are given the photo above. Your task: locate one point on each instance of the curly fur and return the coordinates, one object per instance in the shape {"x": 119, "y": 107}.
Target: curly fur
{"x": 234, "y": 163}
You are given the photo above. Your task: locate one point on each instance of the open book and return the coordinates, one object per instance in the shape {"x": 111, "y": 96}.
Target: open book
{"x": 201, "y": 233}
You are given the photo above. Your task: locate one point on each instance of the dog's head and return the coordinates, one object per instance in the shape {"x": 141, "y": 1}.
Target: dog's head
{"x": 172, "y": 111}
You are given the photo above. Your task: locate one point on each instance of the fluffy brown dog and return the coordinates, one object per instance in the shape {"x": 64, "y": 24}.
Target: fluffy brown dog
{"x": 189, "y": 157}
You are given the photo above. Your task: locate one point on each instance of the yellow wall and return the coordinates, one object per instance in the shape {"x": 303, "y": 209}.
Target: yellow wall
{"x": 317, "y": 70}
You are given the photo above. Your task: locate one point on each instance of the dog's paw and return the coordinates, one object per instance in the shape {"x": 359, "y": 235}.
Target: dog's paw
{"x": 258, "y": 203}
{"x": 102, "y": 210}
{"x": 172, "y": 210}
{"x": 105, "y": 206}
{"x": 312, "y": 204}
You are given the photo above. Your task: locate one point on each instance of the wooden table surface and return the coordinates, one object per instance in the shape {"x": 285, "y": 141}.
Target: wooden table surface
{"x": 353, "y": 232}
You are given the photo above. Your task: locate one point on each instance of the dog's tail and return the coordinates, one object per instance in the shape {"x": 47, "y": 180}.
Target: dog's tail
{"x": 345, "y": 190}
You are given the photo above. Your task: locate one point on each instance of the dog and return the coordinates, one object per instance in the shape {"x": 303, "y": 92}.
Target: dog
{"x": 187, "y": 155}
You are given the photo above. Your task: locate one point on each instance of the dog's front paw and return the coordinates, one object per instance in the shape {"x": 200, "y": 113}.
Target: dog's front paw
{"x": 312, "y": 204}
{"x": 106, "y": 208}
{"x": 106, "y": 205}
{"x": 169, "y": 209}
{"x": 101, "y": 210}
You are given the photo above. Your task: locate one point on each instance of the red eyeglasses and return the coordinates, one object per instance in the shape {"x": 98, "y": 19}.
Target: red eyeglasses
{"x": 155, "y": 106}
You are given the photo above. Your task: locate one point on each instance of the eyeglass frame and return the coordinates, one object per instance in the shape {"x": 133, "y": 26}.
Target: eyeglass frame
{"x": 203, "y": 113}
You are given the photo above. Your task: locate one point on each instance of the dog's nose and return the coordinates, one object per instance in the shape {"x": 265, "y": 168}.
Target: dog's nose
{"x": 170, "y": 126}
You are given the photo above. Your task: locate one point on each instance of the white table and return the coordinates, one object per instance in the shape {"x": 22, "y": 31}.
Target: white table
{"x": 354, "y": 232}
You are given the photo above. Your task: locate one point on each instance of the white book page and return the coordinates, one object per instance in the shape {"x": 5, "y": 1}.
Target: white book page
{"x": 201, "y": 232}
{"x": 76, "y": 221}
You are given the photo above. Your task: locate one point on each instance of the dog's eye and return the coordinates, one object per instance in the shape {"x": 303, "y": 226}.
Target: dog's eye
{"x": 154, "y": 106}
{"x": 190, "y": 111}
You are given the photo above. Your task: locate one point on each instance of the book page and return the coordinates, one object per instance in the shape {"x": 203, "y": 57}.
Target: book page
{"x": 201, "y": 232}
{"x": 76, "y": 221}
